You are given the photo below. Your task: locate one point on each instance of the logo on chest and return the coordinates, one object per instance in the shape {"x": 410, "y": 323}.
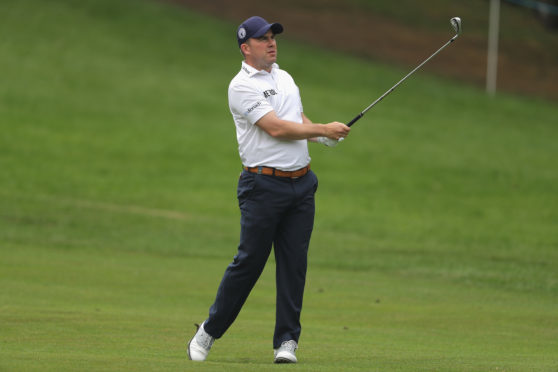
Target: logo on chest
{"x": 269, "y": 93}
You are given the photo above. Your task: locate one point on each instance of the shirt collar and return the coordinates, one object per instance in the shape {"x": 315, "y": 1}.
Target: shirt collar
{"x": 251, "y": 71}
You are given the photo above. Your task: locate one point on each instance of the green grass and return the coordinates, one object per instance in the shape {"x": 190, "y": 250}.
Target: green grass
{"x": 435, "y": 245}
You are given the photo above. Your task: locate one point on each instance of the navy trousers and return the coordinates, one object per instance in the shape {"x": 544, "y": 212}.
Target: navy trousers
{"x": 278, "y": 212}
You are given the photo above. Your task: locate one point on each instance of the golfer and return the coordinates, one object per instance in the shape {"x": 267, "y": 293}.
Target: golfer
{"x": 275, "y": 191}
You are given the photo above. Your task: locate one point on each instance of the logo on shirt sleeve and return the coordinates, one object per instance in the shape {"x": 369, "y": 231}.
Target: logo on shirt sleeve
{"x": 254, "y": 106}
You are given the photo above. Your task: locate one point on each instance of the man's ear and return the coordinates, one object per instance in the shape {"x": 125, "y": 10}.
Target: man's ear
{"x": 244, "y": 48}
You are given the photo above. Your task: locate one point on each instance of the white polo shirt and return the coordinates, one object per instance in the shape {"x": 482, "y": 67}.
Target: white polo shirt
{"x": 252, "y": 94}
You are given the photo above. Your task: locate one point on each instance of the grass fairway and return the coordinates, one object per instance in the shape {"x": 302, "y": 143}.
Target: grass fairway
{"x": 435, "y": 245}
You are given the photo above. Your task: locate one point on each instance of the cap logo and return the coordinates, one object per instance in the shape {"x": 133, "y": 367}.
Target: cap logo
{"x": 242, "y": 33}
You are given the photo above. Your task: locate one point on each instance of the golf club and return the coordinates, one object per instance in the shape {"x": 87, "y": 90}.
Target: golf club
{"x": 456, "y": 24}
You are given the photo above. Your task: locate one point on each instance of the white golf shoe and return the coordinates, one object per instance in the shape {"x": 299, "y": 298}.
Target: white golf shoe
{"x": 199, "y": 345}
{"x": 286, "y": 352}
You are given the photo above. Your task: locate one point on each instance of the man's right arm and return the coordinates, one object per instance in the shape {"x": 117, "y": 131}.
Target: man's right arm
{"x": 284, "y": 129}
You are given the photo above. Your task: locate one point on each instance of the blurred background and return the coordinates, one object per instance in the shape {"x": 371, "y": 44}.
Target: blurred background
{"x": 405, "y": 32}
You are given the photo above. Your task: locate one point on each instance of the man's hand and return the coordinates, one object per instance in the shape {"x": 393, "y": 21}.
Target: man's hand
{"x": 335, "y": 133}
{"x": 336, "y": 130}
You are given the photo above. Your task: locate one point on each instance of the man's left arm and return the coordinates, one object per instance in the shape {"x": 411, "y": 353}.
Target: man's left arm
{"x": 305, "y": 120}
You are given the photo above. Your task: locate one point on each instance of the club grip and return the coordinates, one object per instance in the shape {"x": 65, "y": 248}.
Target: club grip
{"x": 355, "y": 119}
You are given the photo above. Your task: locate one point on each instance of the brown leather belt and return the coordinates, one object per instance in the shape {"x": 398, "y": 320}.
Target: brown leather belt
{"x": 279, "y": 173}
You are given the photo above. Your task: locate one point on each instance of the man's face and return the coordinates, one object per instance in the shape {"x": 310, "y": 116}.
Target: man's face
{"x": 261, "y": 52}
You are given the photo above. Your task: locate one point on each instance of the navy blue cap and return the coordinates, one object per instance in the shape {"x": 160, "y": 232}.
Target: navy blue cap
{"x": 256, "y": 27}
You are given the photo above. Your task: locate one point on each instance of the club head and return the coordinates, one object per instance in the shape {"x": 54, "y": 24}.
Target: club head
{"x": 456, "y": 24}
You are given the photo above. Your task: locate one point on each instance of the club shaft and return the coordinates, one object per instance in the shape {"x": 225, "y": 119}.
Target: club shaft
{"x": 399, "y": 82}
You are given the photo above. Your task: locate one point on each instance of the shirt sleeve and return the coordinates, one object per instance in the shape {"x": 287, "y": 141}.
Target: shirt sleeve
{"x": 247, "y": 101}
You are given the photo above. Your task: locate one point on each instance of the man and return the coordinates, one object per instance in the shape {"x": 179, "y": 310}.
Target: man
{"x": 275, "y": 191}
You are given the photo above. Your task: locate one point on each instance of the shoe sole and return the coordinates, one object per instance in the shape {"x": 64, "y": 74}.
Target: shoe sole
{"x": 282, "y": 360}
